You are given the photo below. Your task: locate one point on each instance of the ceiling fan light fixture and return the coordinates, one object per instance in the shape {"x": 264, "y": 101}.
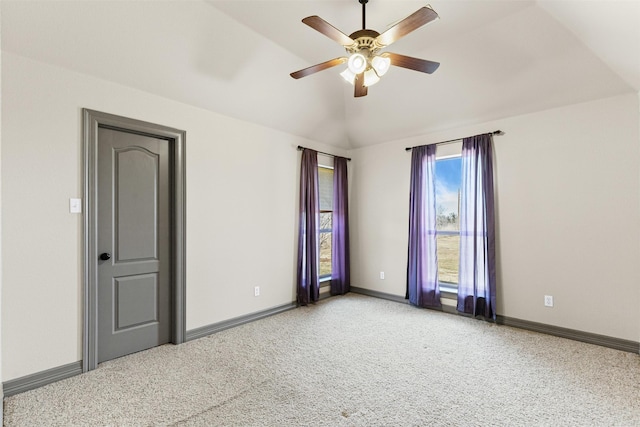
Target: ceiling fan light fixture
{"x": 370, "y": 77}
{"x": 357, "y": 63}
{"x": 381, "y": 64}
{"x": 365, "y": 67}
{"x": 348, "y": 76}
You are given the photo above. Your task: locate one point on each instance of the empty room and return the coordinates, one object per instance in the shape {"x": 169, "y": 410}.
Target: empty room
{"x": 320, "y": 212}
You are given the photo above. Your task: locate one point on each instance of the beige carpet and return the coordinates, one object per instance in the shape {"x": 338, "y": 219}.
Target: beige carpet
{"x": 350, "y": 361}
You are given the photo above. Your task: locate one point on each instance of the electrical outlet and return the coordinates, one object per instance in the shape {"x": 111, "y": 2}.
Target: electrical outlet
{"x": 548, "y": 301}
{"x": 382, "y": 275}
{"x": 256, "y": 291}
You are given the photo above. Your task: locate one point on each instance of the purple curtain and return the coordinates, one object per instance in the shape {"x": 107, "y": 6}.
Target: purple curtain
{"x": 422, "y": 267}
{"x": 308, "y": 286}
{"x": 340, "y": 276}
{"x": 477, "y": 280}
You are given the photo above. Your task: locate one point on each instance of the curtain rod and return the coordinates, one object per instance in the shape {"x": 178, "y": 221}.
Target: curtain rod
{"x": 300, "y": 148}
{"x": 495, "y": 132}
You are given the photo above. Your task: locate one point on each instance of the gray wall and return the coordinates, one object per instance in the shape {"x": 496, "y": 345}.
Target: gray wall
{"x": 568, "y": 215}
{"x": 241, "y": 209}
{"x": 559, "y": 172}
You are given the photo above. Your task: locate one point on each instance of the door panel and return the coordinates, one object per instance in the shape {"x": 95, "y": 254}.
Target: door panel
{"x": 136, "y": 203}
{"x": 135, "y": 301}
{"x": 134, "y": 287}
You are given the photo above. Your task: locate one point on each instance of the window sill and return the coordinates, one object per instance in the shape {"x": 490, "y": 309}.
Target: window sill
{"x": 325, "y": 281}
{"x": 448, "y": 290}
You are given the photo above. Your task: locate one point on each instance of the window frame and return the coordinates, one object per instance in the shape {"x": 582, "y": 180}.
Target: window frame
{"x": 324, "y": 279}
{"x": 449, "y": 151}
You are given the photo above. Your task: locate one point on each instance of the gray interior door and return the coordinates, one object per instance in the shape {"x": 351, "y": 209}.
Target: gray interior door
{"x": 134, "y": 243}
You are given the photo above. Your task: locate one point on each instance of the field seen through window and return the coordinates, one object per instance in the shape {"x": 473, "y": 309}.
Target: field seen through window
{"x": 448, "y": 183}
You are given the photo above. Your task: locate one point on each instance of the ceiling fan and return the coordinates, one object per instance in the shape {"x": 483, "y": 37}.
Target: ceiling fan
{"x": 366, "y": 64}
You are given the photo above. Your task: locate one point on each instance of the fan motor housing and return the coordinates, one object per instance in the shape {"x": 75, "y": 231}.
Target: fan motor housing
{"x": 364, "y": 39}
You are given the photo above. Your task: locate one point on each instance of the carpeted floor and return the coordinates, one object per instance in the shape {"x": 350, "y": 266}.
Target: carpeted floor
{"x": 350, "y": 361}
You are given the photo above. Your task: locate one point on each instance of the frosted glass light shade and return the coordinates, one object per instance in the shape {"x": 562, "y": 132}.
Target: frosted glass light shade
{"x": 370, "y": 78}
{"x": 348, "y": 75}
{"x": 357, "y": 63}
{"x": 381, "y": 65}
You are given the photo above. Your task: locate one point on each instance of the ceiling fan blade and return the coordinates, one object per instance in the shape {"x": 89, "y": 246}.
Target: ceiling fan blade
{"x": 328, "y": 30}
{"x": 411, "y": 63}
{"x": 422, "y": 16}
{"x": 318, "y": 67}
{"x": 360, "y": 88}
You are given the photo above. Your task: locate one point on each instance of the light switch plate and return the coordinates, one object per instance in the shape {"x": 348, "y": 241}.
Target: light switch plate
{"x": 75, "y": 205}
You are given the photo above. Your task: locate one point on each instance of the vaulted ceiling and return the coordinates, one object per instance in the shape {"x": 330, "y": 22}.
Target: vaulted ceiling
{"x": 498, "y": 58}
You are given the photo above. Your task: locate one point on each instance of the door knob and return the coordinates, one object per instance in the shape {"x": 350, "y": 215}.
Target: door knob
{"x": 105, "y": 256}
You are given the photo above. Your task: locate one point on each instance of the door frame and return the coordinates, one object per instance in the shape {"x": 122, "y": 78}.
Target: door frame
{"x": 91, "y": 121}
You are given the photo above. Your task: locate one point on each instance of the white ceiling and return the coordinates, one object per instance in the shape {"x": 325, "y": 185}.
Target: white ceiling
{"x": 498, "y": 58}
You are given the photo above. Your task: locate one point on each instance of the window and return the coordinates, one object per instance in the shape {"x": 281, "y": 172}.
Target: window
{"x": 325, "y": 185}
{"x": 448, "y": 176}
